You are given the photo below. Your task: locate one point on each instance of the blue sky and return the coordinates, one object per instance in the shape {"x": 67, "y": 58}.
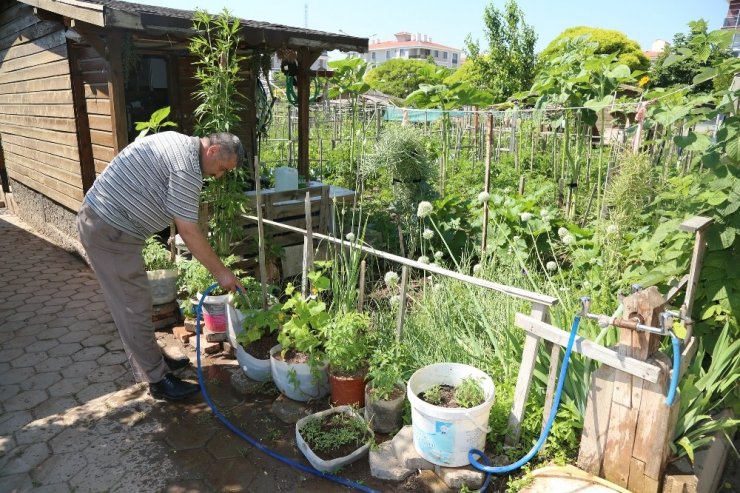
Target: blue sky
{"x": 449, "y": 22}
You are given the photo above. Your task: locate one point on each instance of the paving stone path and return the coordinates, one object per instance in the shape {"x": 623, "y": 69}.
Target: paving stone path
{"x": 73, "y": 419}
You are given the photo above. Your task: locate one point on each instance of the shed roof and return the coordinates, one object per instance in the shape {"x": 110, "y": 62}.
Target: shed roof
{"x": 161, "y": 20}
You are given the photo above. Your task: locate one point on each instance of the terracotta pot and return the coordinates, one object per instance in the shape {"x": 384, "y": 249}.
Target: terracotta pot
{"x": 347, "y": 391}
{"x": 385, "y": 416}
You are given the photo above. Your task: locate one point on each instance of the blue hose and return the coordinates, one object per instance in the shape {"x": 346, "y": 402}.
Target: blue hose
{"x": 248, "y": 438}
{"x": 676, "y": 343}
{"x": 475, "y": 454}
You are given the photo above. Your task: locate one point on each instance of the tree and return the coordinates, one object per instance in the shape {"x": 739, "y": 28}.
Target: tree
{"x": 509, "y": 65}
{"x": 400, "y": 77}
{"x": 664, "y": 73}
{"x": 608, "y": 42}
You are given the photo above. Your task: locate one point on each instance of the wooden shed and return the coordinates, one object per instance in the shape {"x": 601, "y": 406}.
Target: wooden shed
{"x": 70, "y": 94}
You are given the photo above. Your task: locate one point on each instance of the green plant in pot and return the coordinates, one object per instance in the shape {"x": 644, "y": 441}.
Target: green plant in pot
{"x": 385, "y": 391}
{"x": 347, "y": 350}
{"x": 299, "y": 366}
{"x": 160, "y": 271}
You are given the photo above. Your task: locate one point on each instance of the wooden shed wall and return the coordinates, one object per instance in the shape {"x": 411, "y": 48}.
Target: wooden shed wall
{"x": 37, "y": 123}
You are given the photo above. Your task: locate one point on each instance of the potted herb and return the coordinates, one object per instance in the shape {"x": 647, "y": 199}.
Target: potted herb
{"x": 333, "y": 438}
{"x": 298, "y": 363}
{"x": 257, "y": 336}
{"x": 160, "y": 271}
{"x": 458, "y": 396}
{"x": 385, "y": 392}
{"x": 195, "y": 279}
{"x": 346, "y": 350}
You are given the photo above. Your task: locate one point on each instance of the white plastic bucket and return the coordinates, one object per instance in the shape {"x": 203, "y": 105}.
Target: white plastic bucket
{"x": 214, "y": 313}
{"x": 297, "y": 381}
{"x": 163, "y": 284}
{"x": 286, "y": 178}
{"x": 443, "y": 436}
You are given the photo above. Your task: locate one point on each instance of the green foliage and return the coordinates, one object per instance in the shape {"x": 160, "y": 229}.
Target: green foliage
{"x": 332, "y": 431}
{"x": 509, "y": 62}
{"x": 385, "y": 368}
{"x": 469, "y": 393}
{"x": 608, "y": 41}
{"x": 258, "y": 323}
{"x": 195, "y": 278}
{"x": 156, "y": 122}
{"x": 630, "y": 189}
{"x": 433, "y": 395}
{"x": 665, "y": 72}
{"x": 400, "y": 77}
{"x": 156, "y": 256}
{"x": 307, "y": 318}
{"x": 347, "y": 344}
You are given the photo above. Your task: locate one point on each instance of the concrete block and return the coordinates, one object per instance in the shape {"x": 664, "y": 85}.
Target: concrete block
{"x": 385, "y": 465}
{"x": 456, "y": 477}
{"x": 216, "y": 336}
{"x": 207, "y": 347}
{"x": 406, "y": 453}
{"x": 289, "y": 411}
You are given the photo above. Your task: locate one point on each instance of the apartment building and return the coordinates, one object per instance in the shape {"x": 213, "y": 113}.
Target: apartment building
{"x": 408, "y": 45}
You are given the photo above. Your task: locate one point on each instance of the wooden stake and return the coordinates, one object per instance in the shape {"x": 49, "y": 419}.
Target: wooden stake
{"x": 486, "y": 180}
{"x": 307, "y": 247}
{"x": 260, "y": 232}
{"x": 402, "y": 302}
{"x": 361, "y": 288}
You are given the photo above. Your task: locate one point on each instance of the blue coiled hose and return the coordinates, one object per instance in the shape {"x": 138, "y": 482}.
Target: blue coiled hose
{"x": 248, "y": 438}
{"x": 676, "y": 343}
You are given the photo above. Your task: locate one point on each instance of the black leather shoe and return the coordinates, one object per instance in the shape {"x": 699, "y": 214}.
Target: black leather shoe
{"x": 176, "y": 364}
{"x": 172, "y": 388}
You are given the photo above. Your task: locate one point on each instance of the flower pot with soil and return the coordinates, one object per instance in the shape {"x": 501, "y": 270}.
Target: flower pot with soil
{"x": 450, "y": 405}
{"x": 160, "y": 271}
{"x": 333, "y": 438}
{"x": 256, "y": 335}
{"x": 194, "y": 280}
{"x": 385, "y": 392}
{"x": 346, "y": 349}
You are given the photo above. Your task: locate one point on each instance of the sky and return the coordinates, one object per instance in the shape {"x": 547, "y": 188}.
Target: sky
{"x": 449, "y": 23}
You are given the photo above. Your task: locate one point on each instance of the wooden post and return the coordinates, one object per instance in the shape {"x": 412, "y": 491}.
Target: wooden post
{"x": 487, "y": 180}
{"x": 361, "y": 288}
{"x": 84, "y": 146}
{"x": 116, "y": 92}
{"x": 698, "y": 225}
{"x": 524, "y": 379}
{"x": 260, "y": 232}
{"x": 402, "y": 302}
{"x": 551, "y": 380}
{"x": 305, "y": 59}
{"x": 522, "y": 183}
{"x": 307, "y": 247}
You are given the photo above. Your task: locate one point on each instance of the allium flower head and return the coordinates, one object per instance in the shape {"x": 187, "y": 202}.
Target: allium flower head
{"x": 551, "y": 265}
{"x": 611, "y": 229}
{"x": 428, "y": 234}
{"x": 476, "y": 268}
{"x": 423, "y": 259}
{"x": 438, "y": 255}
{"x": 569, "y": 239}
{"x": 425, "y": 208}
{"x": 395, "y": 300}
{"x": 484, "y": 197}
{"x": 350, "y": 237}
{"x": 525, "y": 216}
{"x": 544, "y": 213}
{"x": 562, "y": 232}
{"x": 391, "y": 279}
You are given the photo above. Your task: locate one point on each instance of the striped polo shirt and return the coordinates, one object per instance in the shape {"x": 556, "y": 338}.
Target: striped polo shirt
{"x": 150, "y": 182}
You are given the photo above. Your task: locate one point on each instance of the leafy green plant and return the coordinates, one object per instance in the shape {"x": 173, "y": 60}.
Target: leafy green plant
{"x": 195, "y": 278}
{"x": 385, "y": 369}
{"x": 346, "y": 342}
{"x": 469, "y": 393}
{"x": 330, "y": 432}
{"x": 433, "y": 395}
{"x": 156, "y": 256}
{"x": 157, "y": 121}
{"x": 258, "y": 323}
{"x": 306, "y": 318}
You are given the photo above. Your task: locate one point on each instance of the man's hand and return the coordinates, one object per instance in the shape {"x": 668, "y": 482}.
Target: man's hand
{"x": 229, "y": 281}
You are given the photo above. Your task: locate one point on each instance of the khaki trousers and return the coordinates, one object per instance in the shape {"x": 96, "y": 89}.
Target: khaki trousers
{"x": 116, "y": 259}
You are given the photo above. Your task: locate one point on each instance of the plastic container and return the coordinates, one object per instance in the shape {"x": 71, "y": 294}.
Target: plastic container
{"x": 443, "y": 436}
{"x": 163, "y": 285}
{"x": 385, "y": 416}
{"x": 286, "y": 178}
{"x": 214, "y": 313}
{"x": 333, "y": 464}
{"x": 254, "y": 368}
{"x": 296, "y": 380}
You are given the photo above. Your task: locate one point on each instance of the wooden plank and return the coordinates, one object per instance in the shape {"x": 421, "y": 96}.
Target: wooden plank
{"x": 596, "y": 421}
{"x": 12, "y": 11}
{"x": 676, "y": 289}
{"x": 97, "y": 63}
{"x": 697, "y": 259}
{"x": 33, "y": 29}
{"x": 66, "y": 201}
{"x": 39, "y": 133}
{"x": 100, "y": 166}
{"x": 13, "y": 27}
{"x": 46, "y": 97}
{"x": 588, "y": 348}
{"x": 46, "y": 56}
{"x": 696, "y": 223}
{"x": 56, "y": 161}
{"x": 100, "y": 122}
{"x": 103, "y": 153}
{"x": 619, "y": 442}
{"x": 117, "y": 93}
{"x": 552, "y": 378}
{"x": 44, "y": 43}
{"x": 635, "y": 482}
{"x": 47, "y": 84}
{"x": 85, "y": 137}
{"x": 622, "y": 380}
{"x": 60, "y": 67}
{"x": 96, "y": 76}
{"x": 96, "y": 91}
{"x": 50, "y": 110}
{"x": 104, "y": 139}
{"x": 85, "y": 12}
{"x": 17, "y": 170}
{"x": 98, "y": 106}
{"x": 58, "y": 174}
{"x": 39, "y": 122}
{"x": 61, "y": 150}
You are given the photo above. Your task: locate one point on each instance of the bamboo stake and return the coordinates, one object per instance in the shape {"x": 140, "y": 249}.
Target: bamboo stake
{"x": 402, "y": 302}
{"x": 307, "y": 247}
{"x": 486, "y": 180}
{"x": 361, "y": 287}
{"x": 260, "y": 232}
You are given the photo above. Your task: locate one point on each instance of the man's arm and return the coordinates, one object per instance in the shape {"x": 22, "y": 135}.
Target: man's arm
{"x": 201, "y": 250}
